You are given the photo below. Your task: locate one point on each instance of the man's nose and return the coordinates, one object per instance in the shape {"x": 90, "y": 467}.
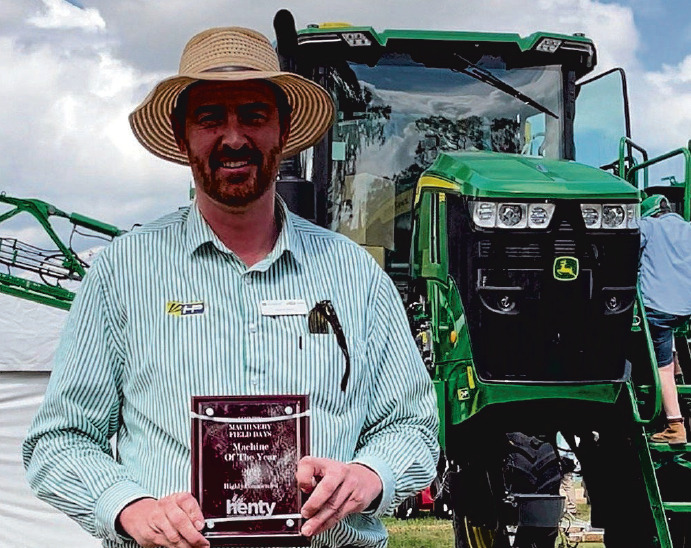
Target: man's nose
{"x": 233, "y": 134}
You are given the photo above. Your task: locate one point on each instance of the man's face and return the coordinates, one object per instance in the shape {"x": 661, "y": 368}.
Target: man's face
{"x": 233, "y": 139}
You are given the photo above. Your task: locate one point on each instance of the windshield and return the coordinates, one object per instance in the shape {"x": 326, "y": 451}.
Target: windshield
{"x": 396, "y": 116}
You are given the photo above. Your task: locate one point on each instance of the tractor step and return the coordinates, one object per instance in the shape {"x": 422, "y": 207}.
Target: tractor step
{"x": 681, "y": 388}
{"x": 665, "y": 447}
{"x": 678, "y": 507}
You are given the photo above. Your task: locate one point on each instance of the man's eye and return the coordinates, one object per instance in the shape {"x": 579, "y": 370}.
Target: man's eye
{"x": 208, "y": 118}
{"x": 254, "y": 117}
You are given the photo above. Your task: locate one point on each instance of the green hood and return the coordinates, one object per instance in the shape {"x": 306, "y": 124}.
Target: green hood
{"x": 497, "y": 175}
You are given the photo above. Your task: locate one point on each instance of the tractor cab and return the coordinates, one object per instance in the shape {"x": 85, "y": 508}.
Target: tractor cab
{"x": 404, "y": 97}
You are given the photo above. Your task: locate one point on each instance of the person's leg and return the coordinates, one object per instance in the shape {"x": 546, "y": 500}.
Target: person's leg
{"x": 675, "y": 433}
{"x": 670, "y": 399}
{"x": 661, "y": 331}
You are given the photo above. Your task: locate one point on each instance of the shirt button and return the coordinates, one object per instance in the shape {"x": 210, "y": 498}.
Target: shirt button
{"x": 253, "y": 328}
{"x": 255, "y": 380}
{"x": 248, "y": 280}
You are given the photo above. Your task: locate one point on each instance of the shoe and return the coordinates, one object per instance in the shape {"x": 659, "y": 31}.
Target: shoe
{"x": 674, "y": 434}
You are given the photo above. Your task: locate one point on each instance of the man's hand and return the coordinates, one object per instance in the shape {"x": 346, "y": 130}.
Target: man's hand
{"x": 173, "y": 521}
{"x": 337, "y": 489}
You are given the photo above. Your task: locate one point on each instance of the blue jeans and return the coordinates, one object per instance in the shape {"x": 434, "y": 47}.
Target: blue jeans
{"x": 662, "y": 327}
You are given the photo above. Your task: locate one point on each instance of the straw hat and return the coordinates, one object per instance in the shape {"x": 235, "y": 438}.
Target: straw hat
{"x": 231, "y": 54}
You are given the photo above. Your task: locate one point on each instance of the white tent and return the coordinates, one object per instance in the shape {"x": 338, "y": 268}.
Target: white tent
{"x": 29, "y": 338}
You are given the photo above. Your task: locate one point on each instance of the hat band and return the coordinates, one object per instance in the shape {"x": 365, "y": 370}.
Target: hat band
{"x": 231, "y": 68}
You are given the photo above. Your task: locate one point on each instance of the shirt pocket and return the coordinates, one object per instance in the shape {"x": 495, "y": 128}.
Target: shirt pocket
{"x": 317, "y": 367}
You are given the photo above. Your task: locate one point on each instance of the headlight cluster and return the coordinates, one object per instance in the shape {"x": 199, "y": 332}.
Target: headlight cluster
{"x": 511, "y": 215}
{"x": 610, "y": 216}
{"x": 515, "y": 215}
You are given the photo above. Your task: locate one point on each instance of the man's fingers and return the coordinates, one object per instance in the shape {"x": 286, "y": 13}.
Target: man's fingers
{"x": 309, "y": 469}
{"x": 343, "y": 489}
{"x": 182, "y": 513}
{"x": 171, "y": 535}
{"x": 333, "y": 510}
{"x": 169, "y": 522}
{"x": 190, "y": 506}
{"x": 324, "y": 490}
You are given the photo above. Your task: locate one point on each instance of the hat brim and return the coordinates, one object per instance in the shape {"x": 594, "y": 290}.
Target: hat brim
{"x": 311, "y": 116}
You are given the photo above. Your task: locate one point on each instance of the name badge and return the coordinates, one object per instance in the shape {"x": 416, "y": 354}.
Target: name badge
{"x": 293, "y": 307}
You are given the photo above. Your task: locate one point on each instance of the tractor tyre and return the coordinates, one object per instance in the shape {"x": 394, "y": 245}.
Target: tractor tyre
{"x": 530, "y": 466}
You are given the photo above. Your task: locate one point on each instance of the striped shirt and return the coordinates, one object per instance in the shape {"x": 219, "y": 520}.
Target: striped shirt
{"x": 127, "y": 367}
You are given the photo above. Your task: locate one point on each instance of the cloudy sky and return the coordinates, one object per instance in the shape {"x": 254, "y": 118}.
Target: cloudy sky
{"x": 73, "y": 70}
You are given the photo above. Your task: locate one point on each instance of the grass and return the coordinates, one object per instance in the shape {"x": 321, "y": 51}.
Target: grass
{"x": 428, "y": 532}
{"x": 425, "y": 532}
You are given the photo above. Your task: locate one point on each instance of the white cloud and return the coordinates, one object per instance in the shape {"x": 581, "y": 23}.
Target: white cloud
{"x": 59, "y": 14}
{"x": 665, "y": 106}
{"x": 671, "y": 76}
{"x": 71, "y": 77}
{"x": 67, "y": 140}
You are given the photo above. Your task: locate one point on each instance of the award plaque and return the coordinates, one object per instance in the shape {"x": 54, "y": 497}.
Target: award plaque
{"x": 245, "y": 451}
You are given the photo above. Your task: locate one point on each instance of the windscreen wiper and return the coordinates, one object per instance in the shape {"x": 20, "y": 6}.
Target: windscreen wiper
{"x": 483, "y": 75}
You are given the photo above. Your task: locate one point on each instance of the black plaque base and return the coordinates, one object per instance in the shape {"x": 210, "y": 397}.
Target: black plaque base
{"x": 245, "y": 451}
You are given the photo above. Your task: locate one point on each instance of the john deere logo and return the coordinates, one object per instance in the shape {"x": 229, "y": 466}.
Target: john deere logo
{"x": 565, "y": 268}
{"x": 184, "y": 309}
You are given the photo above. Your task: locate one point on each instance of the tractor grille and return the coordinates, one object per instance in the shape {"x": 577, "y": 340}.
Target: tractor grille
{"x": 532, "y": 245}
{"x": 487, "y": 249}
{"x": 562, "y": 247}
{"x": 565, "y": 226}
{"x": 530, "y": 251}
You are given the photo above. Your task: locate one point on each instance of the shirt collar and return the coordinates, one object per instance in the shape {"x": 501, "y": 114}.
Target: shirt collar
{"x": 199, "y": 233}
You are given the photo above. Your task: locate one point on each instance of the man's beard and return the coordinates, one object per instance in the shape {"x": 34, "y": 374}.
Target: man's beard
{"x": 242, "y": 192}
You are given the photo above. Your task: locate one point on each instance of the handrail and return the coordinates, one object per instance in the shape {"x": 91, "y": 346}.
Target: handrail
{"x": 687, "y": 174}
{"x": 657, "y": 402}
{"x": 622, "y": 157}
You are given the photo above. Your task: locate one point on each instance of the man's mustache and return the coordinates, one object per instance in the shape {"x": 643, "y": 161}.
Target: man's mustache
{"x": 228, "y": 154}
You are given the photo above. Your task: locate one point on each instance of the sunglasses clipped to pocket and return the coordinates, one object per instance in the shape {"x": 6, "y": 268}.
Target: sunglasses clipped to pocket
{"x": 319, "y": 319}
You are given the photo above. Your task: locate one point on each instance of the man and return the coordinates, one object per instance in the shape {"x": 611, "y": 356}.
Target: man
{"x": 665, "y": 281}
{"x": 128, "y": 364}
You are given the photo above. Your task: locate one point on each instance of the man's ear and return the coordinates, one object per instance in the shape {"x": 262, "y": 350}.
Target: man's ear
{"x": 285, "y": 133}
{"x": 179, "y": 134}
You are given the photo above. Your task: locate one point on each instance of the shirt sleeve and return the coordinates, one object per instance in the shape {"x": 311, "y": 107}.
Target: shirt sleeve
{"x": 399, "y": 440}
{"x": 67, "y": 452}
{"x": 643, "y": 227}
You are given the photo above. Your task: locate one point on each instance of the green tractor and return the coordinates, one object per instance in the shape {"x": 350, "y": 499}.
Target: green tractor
{"x": 453, "y": 161}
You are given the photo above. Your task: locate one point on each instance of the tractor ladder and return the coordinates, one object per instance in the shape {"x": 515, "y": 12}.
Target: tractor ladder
{"x": 666, "y": 468}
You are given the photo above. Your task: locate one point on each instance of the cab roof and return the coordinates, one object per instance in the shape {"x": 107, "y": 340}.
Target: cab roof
{"x": 542, "y": 48}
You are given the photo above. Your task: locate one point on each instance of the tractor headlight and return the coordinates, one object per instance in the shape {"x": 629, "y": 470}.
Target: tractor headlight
{"x": 511, "y": 215}
{"x": 633, "y": 213}
{"x": 539, "y": 215}
{"x": 484, "y": 214}
{"x": 613, "y": 216}
{"x": 592, "y": 215}
{"x": 356, "y": 39}
{"x": 610, "y": 216}
{"x": 549, "y": 45}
